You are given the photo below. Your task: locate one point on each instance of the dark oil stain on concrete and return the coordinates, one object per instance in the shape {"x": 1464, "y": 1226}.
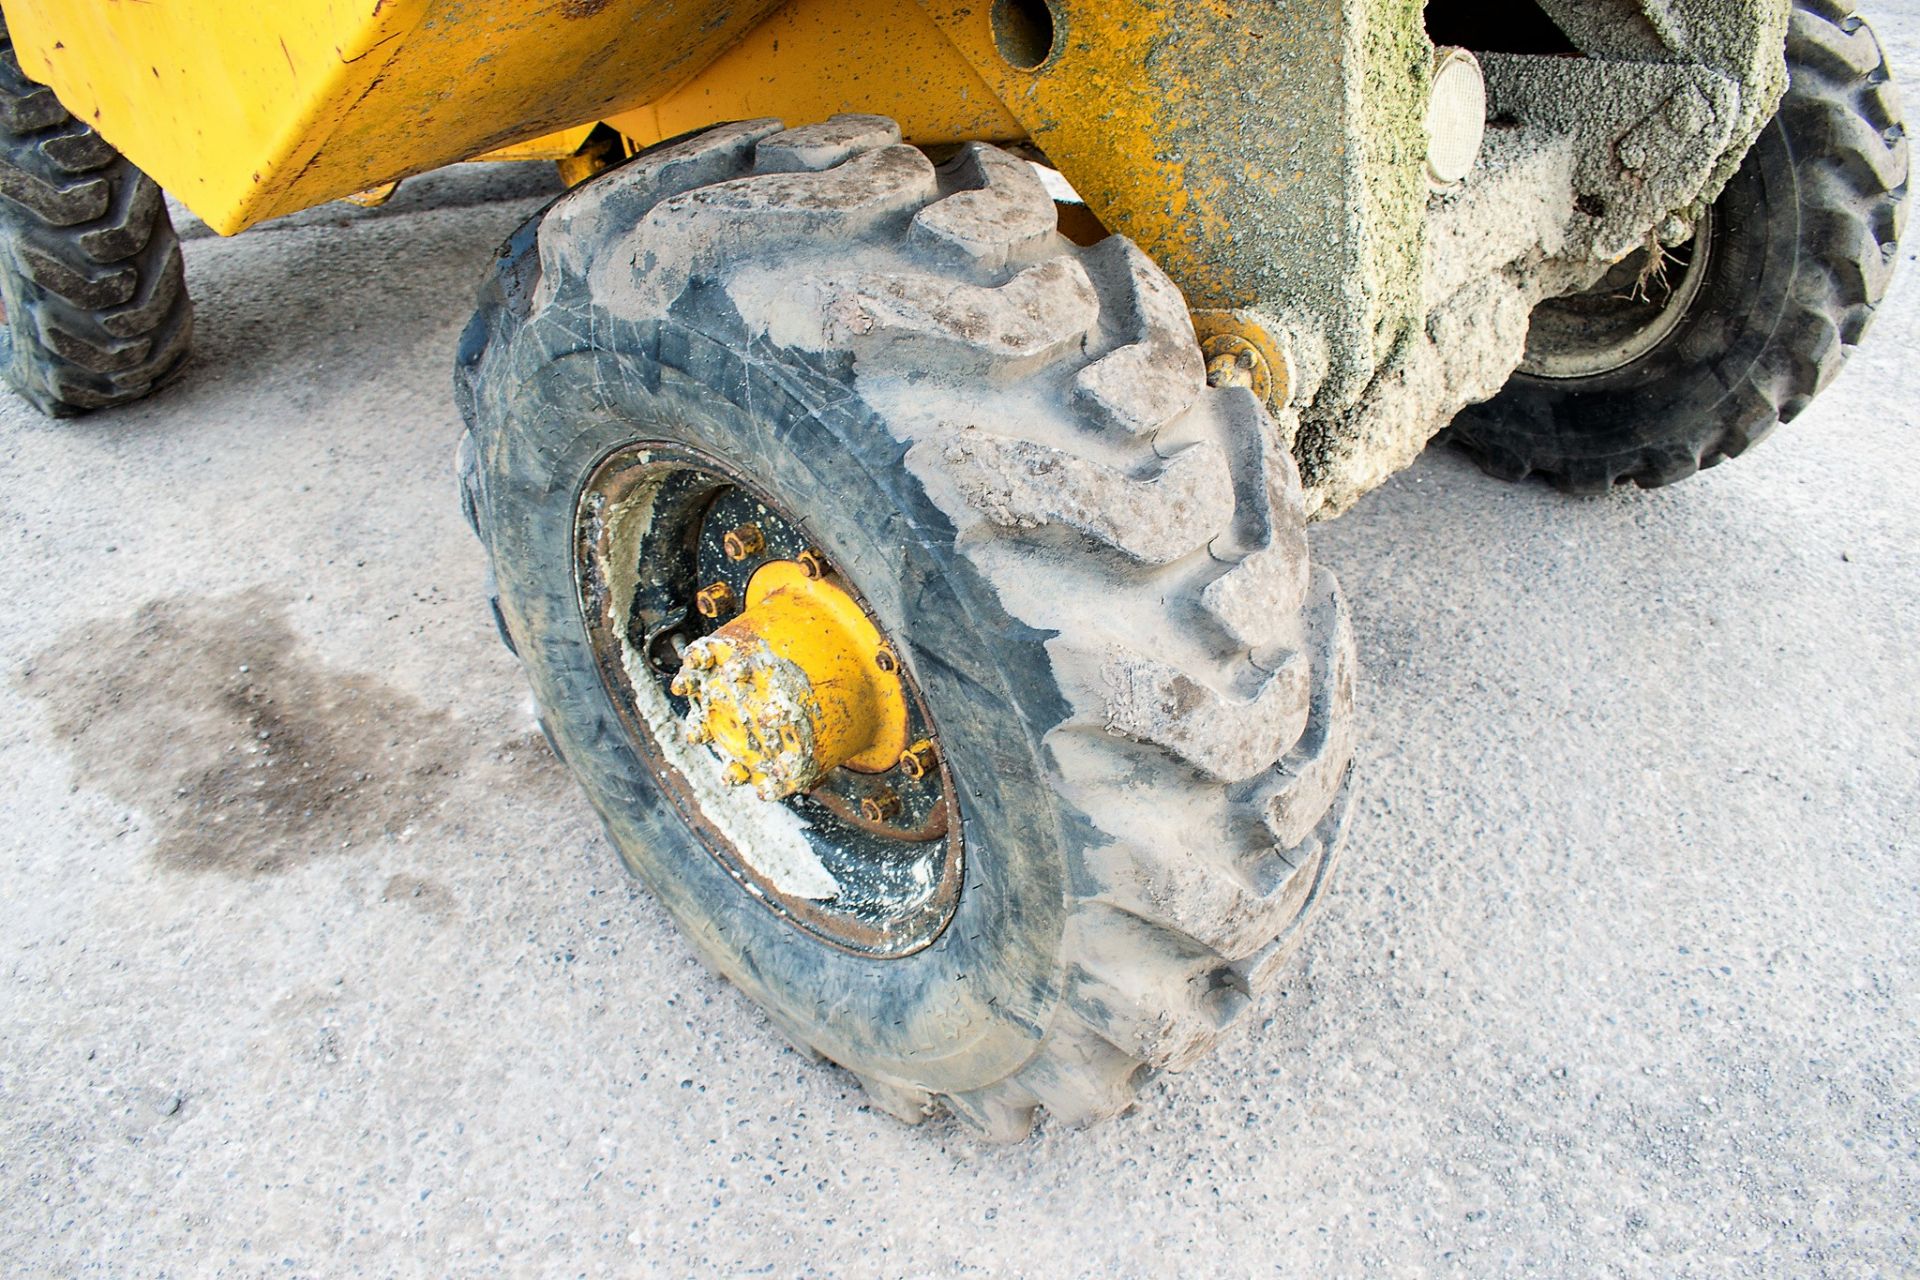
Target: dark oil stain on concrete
{"x": 249, "y": 757}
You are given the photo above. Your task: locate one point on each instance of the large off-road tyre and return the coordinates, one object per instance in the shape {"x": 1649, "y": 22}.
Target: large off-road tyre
{"x": 90, "y": 272}
{"x": 1092, "y": 565}
{"x": 1649, "y": 381}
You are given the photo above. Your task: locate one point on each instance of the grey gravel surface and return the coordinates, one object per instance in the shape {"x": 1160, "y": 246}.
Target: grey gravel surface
{"x": 312, "y": 963}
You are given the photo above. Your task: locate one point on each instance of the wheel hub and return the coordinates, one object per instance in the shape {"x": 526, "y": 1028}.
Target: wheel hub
{"x": 799, "y": 684}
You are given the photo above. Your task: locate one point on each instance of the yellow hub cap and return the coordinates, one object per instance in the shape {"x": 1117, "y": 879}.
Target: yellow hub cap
{"x": 799, "y": 684}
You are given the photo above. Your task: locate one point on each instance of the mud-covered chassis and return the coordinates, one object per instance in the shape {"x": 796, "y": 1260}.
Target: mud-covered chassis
{"x": 1392, "y": 306}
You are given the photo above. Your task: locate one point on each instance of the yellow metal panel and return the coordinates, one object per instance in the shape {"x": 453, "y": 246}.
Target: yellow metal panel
{"x": 1270, "y": 157}
{"x": 814, "y": 58}
{"x": 552, "y": 146}
{"x": 247, "y": 110}
{"x": 1104, "y": 120}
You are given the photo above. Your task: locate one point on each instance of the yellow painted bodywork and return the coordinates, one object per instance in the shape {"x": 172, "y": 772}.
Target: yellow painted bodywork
{"x": 247, "y": 110}
{"x": 1219, "y": 136}
{"x": 814, "y": 58}
{"x": 1101, "y": 117}
{"x": 552, "y": 146}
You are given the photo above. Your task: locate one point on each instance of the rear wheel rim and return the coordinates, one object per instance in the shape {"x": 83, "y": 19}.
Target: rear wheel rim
{"x": 1623, "y": 318}
{"x": 650, "y": 534}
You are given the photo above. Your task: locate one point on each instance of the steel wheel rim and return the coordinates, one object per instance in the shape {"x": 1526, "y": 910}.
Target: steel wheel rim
{"x": 648, "y": 523}
{"x": 1606, "y": 328}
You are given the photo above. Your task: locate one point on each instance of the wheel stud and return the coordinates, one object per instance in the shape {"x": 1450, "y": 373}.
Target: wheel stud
{"x": 714, "y": 601}
{"x": 737, "y": 775}
{"x": 812, "y": 564}
{"x": 881, "y": 805}
{"x": 741, "y": 543}
{"x": 886, "y": 661}
{"x": 921, "y": 760}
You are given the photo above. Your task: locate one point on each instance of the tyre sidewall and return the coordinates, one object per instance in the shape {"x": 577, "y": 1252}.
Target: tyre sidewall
{"x": 969, "y": 1009}
{"x": 1710, "y": 358}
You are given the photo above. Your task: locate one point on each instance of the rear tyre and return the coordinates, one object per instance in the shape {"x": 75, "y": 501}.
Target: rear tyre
{"x": 90, "y": 272}
{"x": 1646, "y": 379}
{"x": 1092, "y": 566}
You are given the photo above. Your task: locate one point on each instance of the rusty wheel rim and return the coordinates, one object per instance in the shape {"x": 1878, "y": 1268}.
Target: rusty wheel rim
{"x": 869, "y": 862}
{"x": 1638, "y": 305}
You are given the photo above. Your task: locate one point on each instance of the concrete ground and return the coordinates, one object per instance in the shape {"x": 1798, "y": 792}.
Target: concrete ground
{"x": 316, "y": 965}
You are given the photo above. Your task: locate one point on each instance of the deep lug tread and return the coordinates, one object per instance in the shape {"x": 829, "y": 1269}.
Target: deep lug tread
{"x": 98, "y": 313}
{"x": 1184, "y": 499}
{"x": 1840, "y": 130}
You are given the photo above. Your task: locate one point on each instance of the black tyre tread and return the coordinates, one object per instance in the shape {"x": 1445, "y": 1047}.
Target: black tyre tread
{"x": 1215, "y": 673}
{"x": 97, "y": 305}
{"x": 1842, "y": 116}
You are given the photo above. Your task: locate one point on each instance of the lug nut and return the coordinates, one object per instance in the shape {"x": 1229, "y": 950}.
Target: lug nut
{"x": 698, "y": 735}
{"x": 715, "y": 600}
{"x": 881, "y": 805}
{"x": 812, "y": 564}
{"x": 737, "y": 775}
{"x": 886, "y": 661}
{"x": 680, "y": 686}
{"x": 743, "y": 542}
{"x": 920, "y": 760}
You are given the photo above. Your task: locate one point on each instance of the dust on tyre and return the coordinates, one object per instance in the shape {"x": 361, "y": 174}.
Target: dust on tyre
{"x": 1665, "y": 368}
{"x": 1091, "y": 567}
{"x": 95, "y": 301}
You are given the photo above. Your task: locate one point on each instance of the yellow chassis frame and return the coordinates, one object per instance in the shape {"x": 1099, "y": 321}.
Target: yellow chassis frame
{"x": 1221, "y": 138}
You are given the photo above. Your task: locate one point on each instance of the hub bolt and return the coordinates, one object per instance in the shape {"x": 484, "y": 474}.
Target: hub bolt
{"x": 737, "y": 775}
{"x": 881, "y": 805}
{"x": 714, "y": 601}
{"x": 812, "y": 564}
{"x": 921, "y": 760}
{"x": 885, "y": 660}
{"x": 744, "y": 542}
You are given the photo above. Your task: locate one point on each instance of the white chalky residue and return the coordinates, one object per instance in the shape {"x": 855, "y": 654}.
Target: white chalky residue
{"x": 769, "y": 837}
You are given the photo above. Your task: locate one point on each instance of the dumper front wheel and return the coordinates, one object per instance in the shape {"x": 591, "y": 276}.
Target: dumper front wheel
{"x": 96, "y": 308}
{"x": 932, "y": 640}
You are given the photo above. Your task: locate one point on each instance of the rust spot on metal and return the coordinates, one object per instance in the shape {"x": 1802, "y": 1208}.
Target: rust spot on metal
{"x": 714, "y": 601}
{"x": 582, "y": 8}
{"x": 743, "y": 542}
{"x": 921, "y": 760}
{"x": 881, "y": 805}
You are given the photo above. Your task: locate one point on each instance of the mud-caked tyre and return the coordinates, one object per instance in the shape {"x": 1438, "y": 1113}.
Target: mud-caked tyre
{"x": 1657, "y": 373}
{"x": 1092, "y": 567}
{"x": 97, "y": 312}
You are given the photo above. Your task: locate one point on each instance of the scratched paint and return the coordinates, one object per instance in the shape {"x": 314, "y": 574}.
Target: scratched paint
{"x": 246, "y": 111}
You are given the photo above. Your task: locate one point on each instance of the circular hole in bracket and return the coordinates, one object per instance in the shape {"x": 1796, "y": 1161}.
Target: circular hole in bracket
{"x": 1024, "y": 32}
